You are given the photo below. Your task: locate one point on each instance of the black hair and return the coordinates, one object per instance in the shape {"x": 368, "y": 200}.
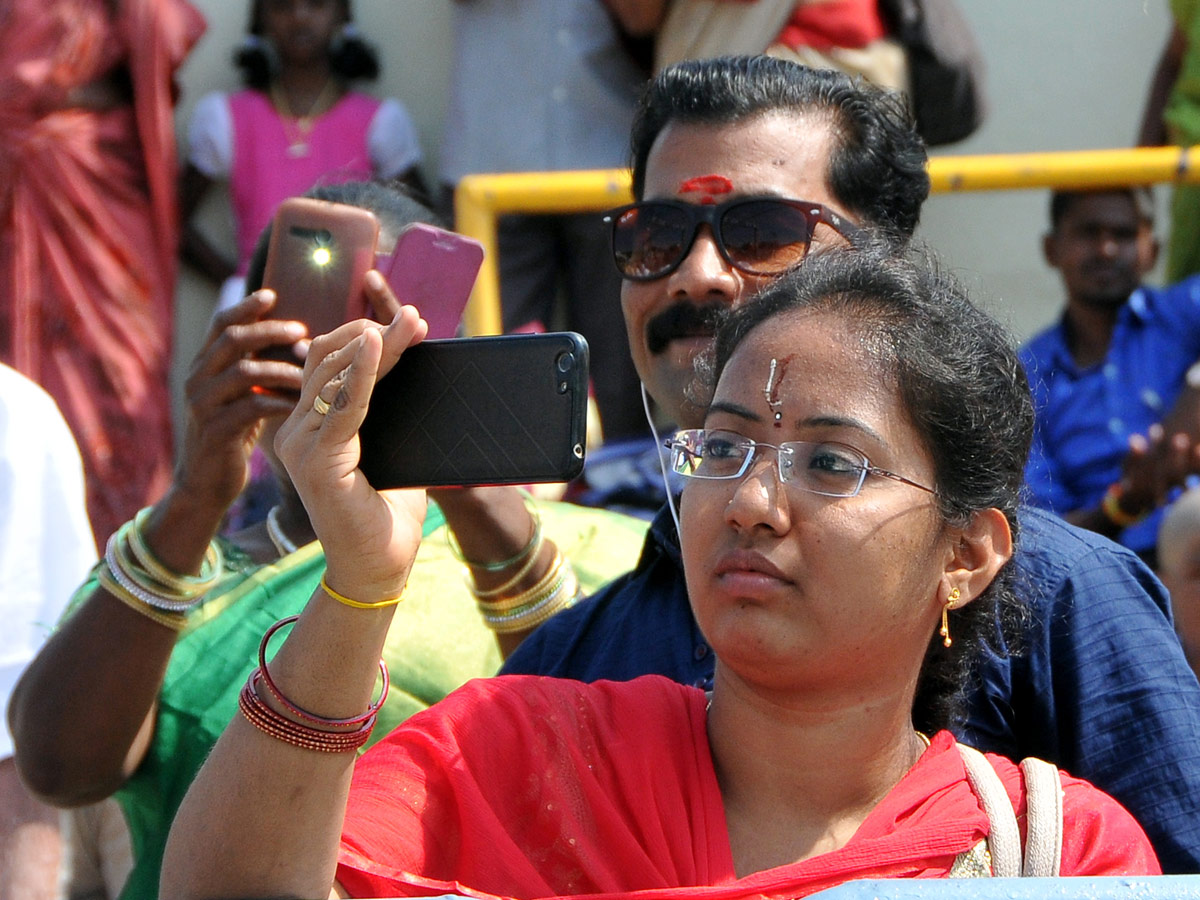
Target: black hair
{"x": 351, "y": 58}
{"x": 959, "y": 378}
{"x": 877, "y": 169}
{"x": 1062, "y": 201}
{"x": 389, "y": 200}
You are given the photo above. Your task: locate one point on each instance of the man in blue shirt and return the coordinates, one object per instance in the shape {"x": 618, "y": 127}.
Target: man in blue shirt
{"x": 1106, "y": 454}
{"x": 1104, "y": 689}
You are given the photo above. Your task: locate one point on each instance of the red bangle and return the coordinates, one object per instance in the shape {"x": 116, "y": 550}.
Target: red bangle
{"x": 264, "y": 674}
{"x": 271, "y": 723}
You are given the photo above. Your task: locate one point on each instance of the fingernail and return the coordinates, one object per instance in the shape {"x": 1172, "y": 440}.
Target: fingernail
{"x": 374, "y": 280}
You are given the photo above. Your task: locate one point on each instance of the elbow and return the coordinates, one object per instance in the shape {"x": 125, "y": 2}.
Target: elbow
{"x": 62, "y": 781}
{"x": 62, "y": 770}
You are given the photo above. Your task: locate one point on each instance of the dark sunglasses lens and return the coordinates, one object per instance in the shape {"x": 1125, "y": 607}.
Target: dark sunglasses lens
{"x": 650, "y": 239}
{"x": 765, "y": 237}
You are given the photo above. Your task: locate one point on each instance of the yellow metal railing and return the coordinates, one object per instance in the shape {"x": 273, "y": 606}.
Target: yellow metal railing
{"x": 481, "y": 199}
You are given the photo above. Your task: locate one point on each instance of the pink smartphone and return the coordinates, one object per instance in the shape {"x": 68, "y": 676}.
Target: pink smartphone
{"x": 434, "y": 270}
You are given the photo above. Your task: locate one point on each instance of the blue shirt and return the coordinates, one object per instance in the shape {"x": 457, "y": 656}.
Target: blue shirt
{"x": 1085, "y": 417}
{"x": 1102, "y": 689}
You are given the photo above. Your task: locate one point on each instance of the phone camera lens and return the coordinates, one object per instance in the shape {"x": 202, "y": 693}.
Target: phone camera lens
{"x": 323, "y": 237}
{"x": 565, "y": 362}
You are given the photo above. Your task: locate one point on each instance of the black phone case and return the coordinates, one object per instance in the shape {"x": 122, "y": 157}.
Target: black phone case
{"x": 508, "y": 409}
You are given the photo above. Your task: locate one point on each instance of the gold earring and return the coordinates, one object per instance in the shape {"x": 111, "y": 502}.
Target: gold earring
{"x": 945, "y": 629}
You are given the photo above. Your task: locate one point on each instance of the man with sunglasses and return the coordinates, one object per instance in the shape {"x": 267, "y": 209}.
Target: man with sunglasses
{"x": 740, "y": 167}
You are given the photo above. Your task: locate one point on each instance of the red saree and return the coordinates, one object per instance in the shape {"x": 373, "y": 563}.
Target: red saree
{"x": 88, "y": 230}
{"x": 537, "y": 787}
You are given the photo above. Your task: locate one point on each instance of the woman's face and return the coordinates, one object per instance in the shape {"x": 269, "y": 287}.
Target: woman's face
{"x": 302, "y": 30}
{"x": 795, "y": 589}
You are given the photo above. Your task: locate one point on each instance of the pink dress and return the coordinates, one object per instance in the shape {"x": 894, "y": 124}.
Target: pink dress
{"x": 267, "y": 167}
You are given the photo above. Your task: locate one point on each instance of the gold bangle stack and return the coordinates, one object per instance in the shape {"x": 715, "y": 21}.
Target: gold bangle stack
{"x": 503, "y": 610}
{"x": 174, "y": 621}
{"x": 555, "y": 591}
{"x": 135, "y": 576}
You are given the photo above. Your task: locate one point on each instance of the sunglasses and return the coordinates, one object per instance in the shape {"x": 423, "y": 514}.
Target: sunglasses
{"x": 756, "y": 235}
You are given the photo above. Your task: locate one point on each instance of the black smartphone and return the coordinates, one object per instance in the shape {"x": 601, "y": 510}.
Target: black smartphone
{"x": 507, "y": 409}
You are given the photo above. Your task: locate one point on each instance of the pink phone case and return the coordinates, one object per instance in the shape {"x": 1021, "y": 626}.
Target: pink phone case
{"x": 434, "y": 270}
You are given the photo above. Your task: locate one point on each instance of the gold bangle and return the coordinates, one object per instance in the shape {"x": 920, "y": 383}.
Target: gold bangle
{"x": 188, "y": 585}
{"x": 174, "y": 621}
{"x": 1112, "y": 509}
{"x": 530, "y": 604}
{"x": 520, "y": 573}
{"x": 530, "y": 549}
{"x": 357, "y": 604}
{"x": 564, "y": 597}
{"x": 557, "y": 561}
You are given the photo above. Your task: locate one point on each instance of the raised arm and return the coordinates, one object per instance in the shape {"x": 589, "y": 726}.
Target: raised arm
{"x": 1157, "y": 463}
{"x": 1153, "y": 131}
{"x": 82, "y": 714}
{"x": 264, "y": 815}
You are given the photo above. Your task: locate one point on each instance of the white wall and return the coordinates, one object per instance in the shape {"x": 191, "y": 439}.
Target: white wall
{"x": 1063, "y": 75}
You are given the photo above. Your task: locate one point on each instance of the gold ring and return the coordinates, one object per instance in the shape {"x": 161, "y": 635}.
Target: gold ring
{"x": 320, "y": 405}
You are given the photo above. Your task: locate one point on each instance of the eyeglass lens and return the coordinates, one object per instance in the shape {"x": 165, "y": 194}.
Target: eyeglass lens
{"x": 761, "y": 237}
{"x": 821, "y": 468}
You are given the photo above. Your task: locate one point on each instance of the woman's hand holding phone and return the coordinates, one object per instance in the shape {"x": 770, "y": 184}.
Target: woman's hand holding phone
{"x": 370, "y": 537}
{"x": 229, "y": 392}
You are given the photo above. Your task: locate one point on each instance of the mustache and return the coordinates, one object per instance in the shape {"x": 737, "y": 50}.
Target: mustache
{"x": 683, "y": 319}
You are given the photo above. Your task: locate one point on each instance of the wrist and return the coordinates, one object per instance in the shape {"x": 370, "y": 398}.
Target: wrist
{"x": 179, "y": 530}
{"x": 363, "y": 588}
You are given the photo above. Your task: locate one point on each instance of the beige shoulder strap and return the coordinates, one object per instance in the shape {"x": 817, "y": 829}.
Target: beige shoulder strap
{"x": 1004, "y": 841}
{"x": 1042, "y": 853}
{"x": 1044, "y": 818}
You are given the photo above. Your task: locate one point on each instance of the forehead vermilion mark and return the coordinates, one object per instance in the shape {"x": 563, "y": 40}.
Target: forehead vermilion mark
{"x": 709, "y": 185}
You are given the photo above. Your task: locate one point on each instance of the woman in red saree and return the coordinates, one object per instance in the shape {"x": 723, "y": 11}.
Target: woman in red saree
{"x": 88, "y": 227}
{"x": 847, "y": 520}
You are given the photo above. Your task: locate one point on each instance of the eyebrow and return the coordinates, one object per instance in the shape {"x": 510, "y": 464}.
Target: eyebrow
{"x": 828, "y": 421}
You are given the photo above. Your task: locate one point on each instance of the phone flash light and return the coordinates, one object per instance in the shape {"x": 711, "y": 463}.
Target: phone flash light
{"x": 321, "y": 256}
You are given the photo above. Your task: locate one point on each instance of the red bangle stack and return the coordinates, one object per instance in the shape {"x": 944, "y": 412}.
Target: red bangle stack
{"x": 328, "y": 736}
{"x": 280, "y": 727}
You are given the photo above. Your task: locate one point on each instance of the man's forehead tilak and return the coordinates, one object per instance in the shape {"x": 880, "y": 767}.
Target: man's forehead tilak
{"x": 708, "y": 186}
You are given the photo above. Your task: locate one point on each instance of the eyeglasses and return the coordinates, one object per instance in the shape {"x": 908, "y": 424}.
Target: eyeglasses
{"x": 833, "y": 470}
{"x": 758, "y": 235}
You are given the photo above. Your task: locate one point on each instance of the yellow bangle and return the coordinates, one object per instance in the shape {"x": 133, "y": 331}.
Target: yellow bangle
{"x": 1111, "y": 507}
{"x": 357, "y": 604}
{"x": 175, "y": 621}
{"x": 184, "y": 585}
